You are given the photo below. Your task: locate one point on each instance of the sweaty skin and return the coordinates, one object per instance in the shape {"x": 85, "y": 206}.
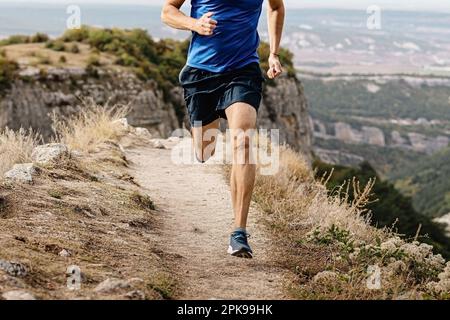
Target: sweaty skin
{"x": 241, "y": 116}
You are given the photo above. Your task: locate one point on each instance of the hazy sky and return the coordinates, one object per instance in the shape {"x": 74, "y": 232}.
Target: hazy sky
{"x": 430, "y": 5}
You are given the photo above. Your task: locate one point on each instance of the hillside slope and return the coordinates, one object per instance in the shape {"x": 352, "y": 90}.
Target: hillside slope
{"x": 428, "y": 184}
{"x": 389, "y": 208}
{"x": 75, "y": 225}
{"x": 397, "y": 123}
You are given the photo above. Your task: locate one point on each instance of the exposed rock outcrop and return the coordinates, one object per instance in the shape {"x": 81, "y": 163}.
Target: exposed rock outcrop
{"x": 33, "y": 98}
{"x": 370, "y": 135}
{"x": 285, "y": 108}
{"x": 30, "y": 103}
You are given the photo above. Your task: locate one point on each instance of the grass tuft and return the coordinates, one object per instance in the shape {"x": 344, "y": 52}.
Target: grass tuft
{"x": 92, "y": 126}
{"x": 164, "y": 284}
{"x": 16, "y": 147}
{"x": 143, "y": 201}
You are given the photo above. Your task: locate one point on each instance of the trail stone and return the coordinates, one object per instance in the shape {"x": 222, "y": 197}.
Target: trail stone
{"x": 143, "y": 132}
{"x": 18, "y": 295}
{"x": 174, "y": 139}
{"x": 13, "y": 268}
{"x": 325, "y": 276}
{"x": 123, "y": 122}
{"x": 64, "y": 253}
{"x": 111, "y": 285}
{"x": 31, "y": 72}
{"x": 157, "y": 144}
{"x": 77, "y": 153}
{"x": 49, "y": 153}
{"x": 21, "y": 173}
{"x": 135, "y": 295}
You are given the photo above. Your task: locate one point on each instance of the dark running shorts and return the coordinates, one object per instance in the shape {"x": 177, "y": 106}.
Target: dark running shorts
{"x": 208, "y": 94}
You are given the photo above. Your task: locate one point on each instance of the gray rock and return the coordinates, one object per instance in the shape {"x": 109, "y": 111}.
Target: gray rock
{"x": 135, "y": 295}
{"x": 157, "y": 144}
{"x": 49, "y": 153}
{"x": 18, "y": 295}
{"x": 64, "y": 253}
{"x": 77, "y": 153}
{"x": 174, "y": 139}
{"x": 30, "y": 72}
{"x": 143, "y": 132}
{"x": 21, "y": 173}
{"x": 14, "y": 269}
{"x": 111, "y": 285}
{"x": 325, "y": 276}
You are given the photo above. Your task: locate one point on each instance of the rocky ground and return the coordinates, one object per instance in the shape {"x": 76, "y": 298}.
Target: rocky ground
{"x": 76, "y": 226}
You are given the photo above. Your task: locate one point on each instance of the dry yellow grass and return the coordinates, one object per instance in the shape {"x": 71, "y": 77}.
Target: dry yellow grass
{"x": 325, "y": 236}
{"x": 294, "y": 197}
{"x": 90, "y": 208}
{"x": 16, "y": 147}
{"x": 87, "y": 206}
{"x": 93, "y": 125}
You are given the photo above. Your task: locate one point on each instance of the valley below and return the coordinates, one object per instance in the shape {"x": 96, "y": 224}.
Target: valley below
{"x": 400, "y": 125}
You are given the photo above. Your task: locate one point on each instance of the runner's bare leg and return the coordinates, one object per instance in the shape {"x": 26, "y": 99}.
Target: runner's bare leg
{"x": 241, "y": 118}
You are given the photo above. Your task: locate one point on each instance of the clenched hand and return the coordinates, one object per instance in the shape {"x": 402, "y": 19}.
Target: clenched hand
{"x": 275, "y": 68}
{"x": 205, "y": 25}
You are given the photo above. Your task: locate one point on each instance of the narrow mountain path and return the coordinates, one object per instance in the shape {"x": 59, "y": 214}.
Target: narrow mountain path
{"x": 196, "y": 222}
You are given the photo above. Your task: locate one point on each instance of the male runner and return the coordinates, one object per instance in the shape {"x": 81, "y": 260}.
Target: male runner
{"x": 223, "y": 79}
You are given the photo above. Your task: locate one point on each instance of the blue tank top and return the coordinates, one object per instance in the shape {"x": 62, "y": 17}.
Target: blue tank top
{"x": 235, "y": 40}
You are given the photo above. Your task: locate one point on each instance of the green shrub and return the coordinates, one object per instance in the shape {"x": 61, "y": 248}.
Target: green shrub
{"x": 74, "y": 48}
{"x": 99, "y": 38}
{"x": 39, "y": 38}
{"x": 57, "y": 45}
{"x": 114, "y": 46}
{"x": 20, "y": 39}
{"x": 43, "y": 59}
{"x": 95, "y": 51}
{"x": 143, "y": 201}
{"x": 76, "y": 35}
{"x": 126, "y": 60}
{"x": 15, "y": 39}
{"x": 62, "y": 59}
{"x": 93, "y": 61}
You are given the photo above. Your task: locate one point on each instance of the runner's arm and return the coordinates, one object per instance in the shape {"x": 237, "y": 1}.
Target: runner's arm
{"x": 275, "y": 19}
{"x": 173, "y": 17}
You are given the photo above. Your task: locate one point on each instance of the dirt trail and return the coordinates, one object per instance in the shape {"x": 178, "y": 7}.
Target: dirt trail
{"x": 196, "y": 222}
